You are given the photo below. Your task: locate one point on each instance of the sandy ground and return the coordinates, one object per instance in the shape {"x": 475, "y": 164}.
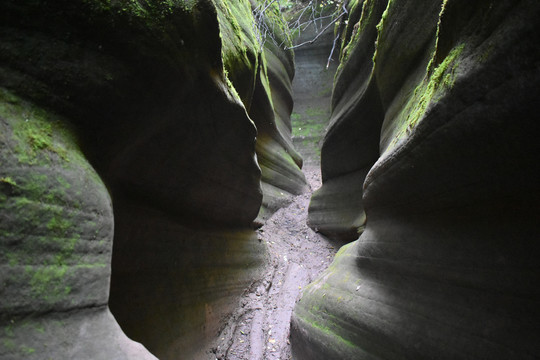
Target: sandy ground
{"x": 259, "y": 328}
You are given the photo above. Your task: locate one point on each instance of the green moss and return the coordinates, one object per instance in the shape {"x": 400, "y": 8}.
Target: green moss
{"x": 27, "y": 350}
{"x": 40, "y": 138}
{"x": 263, "y": 75}
{"x": 33, "y": 130}
{"x": 152, "y": 14}
{"x": 9, "y": 344}
{"x": 35, "y": 140}
{"x": 21, "y": 202}
{"x": 8, "y": 331}
{"x": 325, "y": 91}
{"x": 58, "y": 225}
{"x": 288, "y": 158}
{"x": 48, "y": 282}
{"x": 63, "y": 182}
{"x": 316, "y": 112}
{"x": 486, "y": 54}
{"x": 45, "y": 222}
{"x": 8, "y": 180}
{"x": 351, "y": 32}
{"x": 436, "y": 83}
{"x": 236, "y": 26}
{"x": 354, "y": 31}
{"x": 275, "y": 20}
{"x": 35, "y": 186}
{"x": 38, "y": 327}
{"x": 13, "y": 259}
{"x": 91, "y": 266}
{"x": 384, "y": 16}
{"x": 309, "y": 125}
{"x": 239, "y": 50}
{"x": 46, "y": 276}
{"x": 380, "y": 27}
{"x": 330, "y": 333}
{"x": 310, "y": 122}
{"x": 308, "y": 129}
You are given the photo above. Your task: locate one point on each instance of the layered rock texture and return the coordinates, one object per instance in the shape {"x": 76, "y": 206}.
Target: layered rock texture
{"x": 350, "y": 147}
{"x": 165, "y": 100}
{"x": 56, "y": 238}
{"x": 312, "y": 87}
{"x": 433, "y": 138}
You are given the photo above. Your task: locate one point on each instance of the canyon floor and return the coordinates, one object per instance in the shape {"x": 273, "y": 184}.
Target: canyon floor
{"x": 259, "y": 328}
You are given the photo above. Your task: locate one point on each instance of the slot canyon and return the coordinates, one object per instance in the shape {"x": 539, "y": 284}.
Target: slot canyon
{"x": 269, "y": 179}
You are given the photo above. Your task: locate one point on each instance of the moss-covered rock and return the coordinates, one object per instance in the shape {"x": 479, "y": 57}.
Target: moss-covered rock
{"x": 56, "y": 242}
{"x": 437, "y": 272}
{"x": 263, "y": 78}
{"x": 355, "y": 122}
{"x": 158, "y": 93}
{"x": 313, "y": 86}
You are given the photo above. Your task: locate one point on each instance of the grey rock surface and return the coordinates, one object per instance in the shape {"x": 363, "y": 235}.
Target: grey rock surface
{"x": 446, "y": 267}
{"x": 147, "y": 93}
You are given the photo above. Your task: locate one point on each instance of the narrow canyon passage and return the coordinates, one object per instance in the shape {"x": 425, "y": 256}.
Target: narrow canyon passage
{"x": 171, "y": 172}
{"x": 259, "y": 328}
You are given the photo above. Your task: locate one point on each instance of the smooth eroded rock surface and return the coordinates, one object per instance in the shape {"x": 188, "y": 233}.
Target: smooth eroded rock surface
{"x": 56, "y": 239}
{"x": 354, "y": 123}
{"x": 447, "y": 264}
{"x": 158, "y": 94}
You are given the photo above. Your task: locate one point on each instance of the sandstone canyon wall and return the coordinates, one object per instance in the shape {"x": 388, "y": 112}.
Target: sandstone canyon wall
{"x": 152, "y": 111}
{"x": 432, "y": 156}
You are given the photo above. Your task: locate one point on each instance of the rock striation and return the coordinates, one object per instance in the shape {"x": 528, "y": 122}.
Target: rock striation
{"x": 336, "y": 209}
{"x": 159, "y": 98}
{"x": 56, "y": 237}
{"x": 434, "y": 122}
{"x": 312, "y": 86}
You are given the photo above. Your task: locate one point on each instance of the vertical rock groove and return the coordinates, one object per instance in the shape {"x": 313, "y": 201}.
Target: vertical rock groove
{"x": 182, "y": 112}
{"x": 445, "y": 267}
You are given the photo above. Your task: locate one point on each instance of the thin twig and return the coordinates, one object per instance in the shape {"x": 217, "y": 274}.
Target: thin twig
{"x": 317, "y": 36}
{"x": 332, "y": 52}
{"x": 263, "y": 31}
{"x": 335, "y": 41}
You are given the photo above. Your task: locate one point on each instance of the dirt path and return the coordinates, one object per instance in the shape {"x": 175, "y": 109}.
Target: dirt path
{"x": 259, "y": 329}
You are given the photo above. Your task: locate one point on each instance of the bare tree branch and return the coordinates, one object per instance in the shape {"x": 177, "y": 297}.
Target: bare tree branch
{"x": 318, "y": 34}
{"x": 309, "y": 16}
